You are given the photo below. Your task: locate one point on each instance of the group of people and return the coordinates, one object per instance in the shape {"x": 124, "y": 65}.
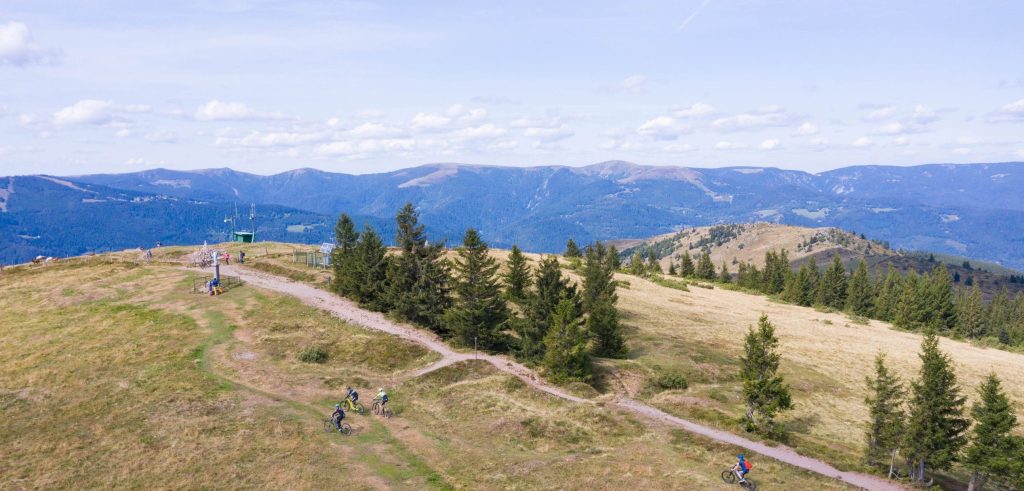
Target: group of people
{"x": 351, "y": 397}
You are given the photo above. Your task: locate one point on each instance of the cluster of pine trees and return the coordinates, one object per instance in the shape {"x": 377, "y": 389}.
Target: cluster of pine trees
{"x": 913, "y": 301}
{"x": 539, "y": 316}
{"x": 927, "y": 428}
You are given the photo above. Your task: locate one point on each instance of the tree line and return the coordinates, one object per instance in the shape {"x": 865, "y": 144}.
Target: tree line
{"x": 533, "y": 312}
{"x": 926, "y": 426}
{"x": 914, "y": 301}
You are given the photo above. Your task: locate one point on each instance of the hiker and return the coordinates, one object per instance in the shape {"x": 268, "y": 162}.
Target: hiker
{"x": 241, "y": 257}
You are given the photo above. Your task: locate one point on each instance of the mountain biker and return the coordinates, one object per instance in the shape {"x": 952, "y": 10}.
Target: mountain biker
{"x": 351, "y": 397}
{"x": 383, "y": 397}
{"x": 741, "y": 468}
{"x": 337, "y": 416}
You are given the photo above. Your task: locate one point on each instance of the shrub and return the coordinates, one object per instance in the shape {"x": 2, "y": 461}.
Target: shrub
{"x": 313, "y": 354}
{"x": 671, "y": 380}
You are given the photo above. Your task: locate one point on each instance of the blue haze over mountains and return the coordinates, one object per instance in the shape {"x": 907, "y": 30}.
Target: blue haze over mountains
{"x": 975, "y": 210}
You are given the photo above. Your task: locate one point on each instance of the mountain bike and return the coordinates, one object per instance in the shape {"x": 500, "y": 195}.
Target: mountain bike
{"x": 329, "y": 427}
{"x": 731, "y": 477}
{"x": 381, "y": 409}
{"x": 354, "y": 406}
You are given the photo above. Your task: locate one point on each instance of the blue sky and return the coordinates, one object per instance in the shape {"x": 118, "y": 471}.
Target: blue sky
{"x": 265, "y": 86}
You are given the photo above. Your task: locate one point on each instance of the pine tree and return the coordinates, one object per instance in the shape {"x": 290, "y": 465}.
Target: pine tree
{"x": 910, "y": 307}
{"x": 764, "y": 390}
{"x": 550, "y": 287}
{"x": 935, "y": 423}
{"x": 1000, "y": 313}
{"x": 724, "y": 276}
{"x": 517, "y": 276}
{"x": 705, "y": 268}
{"x": 418, "y": 279}
{"x": 776, "y": 264}
{"x": 832, "y": 290}
{"x": 940, "y": 312}
{"x": 885, "y": 411}
{"x": 991, "y": 452}
{"x": 479, "y": 314}
{"x": 672, "y": 268}
{"x": 970, "y": 314}
{"x": 599, "y": 300}
{"x": 888, "y": 295}
{"x": 652, "y": 262}
{"x": 370, "y": 266}
{"x": 612, "y": 258}
{"x": 686, "y": 267}
{"x": 860, "y": 298}
{"x": 565, "y": 344}
{"x": 571, "y": 249}
{"x": 636, "y": 264}
{"x": 345, "y": 238}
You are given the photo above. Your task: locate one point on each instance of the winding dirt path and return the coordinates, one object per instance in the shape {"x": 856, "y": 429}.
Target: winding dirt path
{"x": 351, "y": 312}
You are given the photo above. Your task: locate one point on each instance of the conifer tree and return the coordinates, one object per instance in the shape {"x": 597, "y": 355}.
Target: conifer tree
{"x": 888, "y": 295}
{"x": 992, "y": 451}
{"x": 705, "y": 268}
{"x": 550, "y": 287}
{"x": 1000, "y": 312}
{"x": 885, "y": 412}
{"x": 571, "y": 249}
{"x": 686, "y": 266}
{"x": 724, "y": 276}
{"x": 479, "y": 314}
{"x": 612, "y": 258}
{"x": 636, "y": 264}
{"x": 599, "y": 300}
{"x": 832, "y": 290}
{"x": 517, "y": 276}
{"x": 910, "y": 308}
{"x": 860, "y": 297}
{"x": 970, "y": 314}
{"x": 938, "y": 292}
{"x": 935, "y": 417}
{"x": 345, "y": 238}
{"x": 565, "y": 344}
{"x": 672, "y": 268}
{"x": 652, "y": 262}
{"x": 776, "y": 264}
{"x": 370, "y": 266}
{"x": 418, "y": 279}
{"x": 764, "y": 390}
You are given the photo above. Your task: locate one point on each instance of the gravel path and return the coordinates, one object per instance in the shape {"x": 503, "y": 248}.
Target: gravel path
{"x": 351, "y": 312}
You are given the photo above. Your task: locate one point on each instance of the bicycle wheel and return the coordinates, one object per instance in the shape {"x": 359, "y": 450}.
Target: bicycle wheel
{"x": 329, "y": 425}
{"x": 748, "y": 484}
{"x": 346, "y": 429}
{"x": 728, "y": 476}
{"x": 359, "y": 408}
{"x": 376, "y": 407}
{"x": 386, "y": 412}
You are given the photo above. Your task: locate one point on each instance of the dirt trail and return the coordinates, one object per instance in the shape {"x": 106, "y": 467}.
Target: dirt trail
{"x": 351, "y": 312}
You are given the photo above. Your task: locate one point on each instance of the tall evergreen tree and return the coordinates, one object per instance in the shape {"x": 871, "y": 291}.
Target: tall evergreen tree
{"x": 764, "y": 390}
{"x": 860, "y": 297}
{"x": 832, "y": 290}
{"x": 935, "y": 423}
{"x": 550, "y": 288}
{"x": 636, "y": 264}
{"x": 599, "y": 300}
{"x": 938, "y": 291}
{"x": 888, "y": 295}
{"x": 565, "y": 344}
{"x": 909, "y": 311}
{"x": 672, "y": 271}
{"x": 686, "y": 266}
{"x": 705, "y": 268}
{"x": 345, "y": 238}
{"x": 723, "y": 275}
{"x": 369, "y": 267}
{"x": 885, "y": 412}
{"x": 1000, "y": 313}
{"x": 992, "y": 451}
{"x": 571, "y": 249}
{"x": 517, "y": 276}
{"x": 970, "y": 314}
{"x": 652, "y": 262}
{"x": 419, "y": 282}
{"x": 612, "y": 258}
{"x": 776, "y": 264}
{"x": 479, "y": 315}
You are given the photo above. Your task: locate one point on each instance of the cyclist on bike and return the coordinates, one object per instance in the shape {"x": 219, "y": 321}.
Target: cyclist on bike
{"x": 741, "y": 468}
{"x": 337, "y": 416}
{"x": 351, "y": 397}
{"x": 382, "y": 397}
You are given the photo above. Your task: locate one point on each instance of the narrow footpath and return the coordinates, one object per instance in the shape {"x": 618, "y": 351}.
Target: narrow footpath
{"x": 351, "y": 312}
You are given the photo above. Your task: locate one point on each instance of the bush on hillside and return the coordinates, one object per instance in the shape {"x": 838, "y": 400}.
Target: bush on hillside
{"x": 314, "y": 354}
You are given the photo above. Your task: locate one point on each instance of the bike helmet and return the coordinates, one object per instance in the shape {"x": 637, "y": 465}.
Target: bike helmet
{"x": 740, "y": 456}
{"x": 337, "y": 406}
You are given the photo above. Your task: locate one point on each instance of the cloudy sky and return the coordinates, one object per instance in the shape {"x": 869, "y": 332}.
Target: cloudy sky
{"x": 266, "y": 86}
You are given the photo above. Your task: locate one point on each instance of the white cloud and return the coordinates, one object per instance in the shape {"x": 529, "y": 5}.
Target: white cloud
{"x": 863, "y": 142}
{"x": 678, "y": 147}
{"x": 258, "y": 139}
{"x": 807, "y": 128}
{"x": 765, "y": 117}
{"x": 85, "y": 112}
{"x": 924, "y": 115}
{"x": 376, "y": 130}
{"x": 695, "y": 110}
{"x": 962, "y": 151}
{"x": 18, "y": 48}
{"x": 429, "y": 122}
{"x": 162, "y": 136}
{"x": 1013, "y": 111}
{"x": 633, "y": 83}
{"x": 724, "y": 145}
{"x": 901, "y": 141}
{"x": 217, "y": 110}
{"x": 663, "y": 128}
{"x": 455, "y": 116}
{"x": 770, "y": 144}
{"x": 880, "y": 113}
{"x": 486, "y": 131}
{"x": 365, "y": 148}
{"x": 549, "y": 135}
{"x": 894, "y": 128}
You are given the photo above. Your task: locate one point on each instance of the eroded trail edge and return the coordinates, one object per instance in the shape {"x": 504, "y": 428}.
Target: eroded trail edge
{"x": 351, "y": 312}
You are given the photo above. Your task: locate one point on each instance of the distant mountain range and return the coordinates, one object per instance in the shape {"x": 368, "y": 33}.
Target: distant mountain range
{"x": 975, "y": 210}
